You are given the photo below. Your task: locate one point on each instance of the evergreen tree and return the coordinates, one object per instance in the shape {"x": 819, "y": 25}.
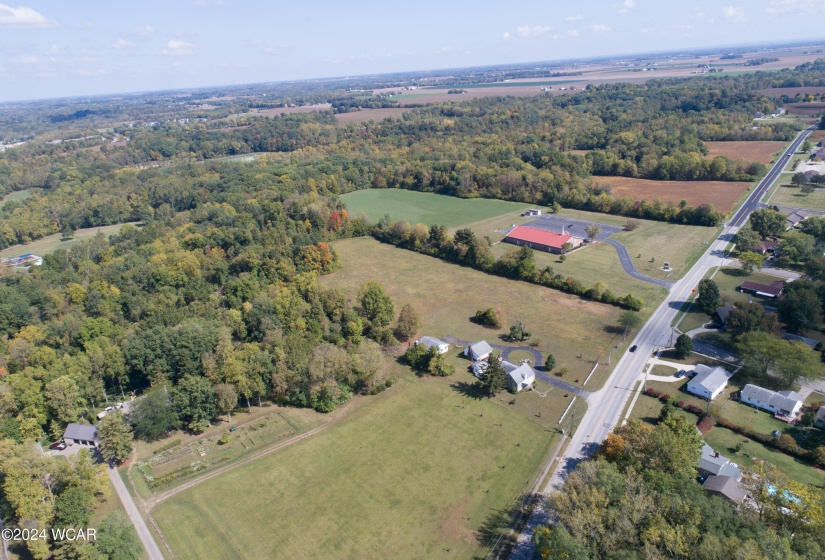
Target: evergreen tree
{"x": 115, "y": 438}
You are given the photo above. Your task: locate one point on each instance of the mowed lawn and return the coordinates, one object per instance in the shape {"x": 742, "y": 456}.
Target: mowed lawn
{"x": 447, "y": 296}
{"x": 788, "y": 195}
{"x": 414, "y": 474}
{"x": 425, "y": 208}
{"x": 52, "y": 243}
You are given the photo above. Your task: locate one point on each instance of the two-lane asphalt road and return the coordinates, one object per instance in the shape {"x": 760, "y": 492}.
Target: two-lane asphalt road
{"x": 605, "y": 406}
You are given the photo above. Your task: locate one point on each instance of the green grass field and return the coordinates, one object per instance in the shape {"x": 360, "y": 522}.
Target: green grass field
{"x": 724, "y": 441}
{"x": 16, "y": 195}
{"x": 787, "y": 195}
{"x": 423, "y": 471}
{"x": 425, "y": 208}
{"x": 52, "y": 243}
{"x": 447, "y": 296}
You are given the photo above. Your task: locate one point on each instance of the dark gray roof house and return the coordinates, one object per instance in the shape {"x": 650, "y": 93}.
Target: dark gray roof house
{"x": 724, "y": 312}
{"x": 82, "y": 434}
{"x": 725, "y": 486}
{"x": 713, "y": 463}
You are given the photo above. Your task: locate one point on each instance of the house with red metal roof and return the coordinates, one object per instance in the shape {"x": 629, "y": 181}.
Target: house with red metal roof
{"x": 542, "y": 240}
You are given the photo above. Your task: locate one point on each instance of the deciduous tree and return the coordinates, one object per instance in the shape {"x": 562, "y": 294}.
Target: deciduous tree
{"x": 115, "y": 438}
{"x": 708, "y": 299}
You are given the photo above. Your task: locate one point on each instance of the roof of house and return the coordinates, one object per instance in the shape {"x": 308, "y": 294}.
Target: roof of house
{"x": 808, "y": 341}
{"x": 765, "y": 246}
{"x": 480, "y": 348}
{"x": 544, "y": 237}
{"x": 711, "y": 378}
{"x": 794, "y": 218}
{"x": 774, "y": 288}
{"x": 811, "y": 173}
{"x": 430, "y": 341}
{"x": 711, "y": 461}
{"x": 820, "y": 414}
{"x": 727, "y": 486}
{"x": 783, "y": 400}
{"x": 724, "y": 312}
{"x": 82, "y": 432}
{"x": 518, "y": 373}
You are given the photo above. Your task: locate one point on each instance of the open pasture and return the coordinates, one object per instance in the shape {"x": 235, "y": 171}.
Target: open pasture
{"x": 722, "y": 194}
{"x": 370, "y": 114}
{"x": 446, "y": 296}
{"x": 758, "y": 151}
{"x": 52, "y": 243}
{"x": 426, "y": 470}
{"x": 790, "y": 195}
{"x": 426, "y": 208}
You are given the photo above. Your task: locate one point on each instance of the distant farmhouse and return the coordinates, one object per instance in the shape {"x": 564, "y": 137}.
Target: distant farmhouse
{"x": 23, "y": 260}
{"x": 785, "y": 404}
{"x": 430, "y": 342}
{"x": 542, "y": 240}
{"x": 770, "y": 291}
{"x": 708, "y": 381}
{"x": 532, "y": 212}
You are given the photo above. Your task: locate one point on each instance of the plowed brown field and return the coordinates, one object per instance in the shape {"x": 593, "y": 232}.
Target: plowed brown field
{"x": 722, "y": 194}
{"x": 761, "y": 151}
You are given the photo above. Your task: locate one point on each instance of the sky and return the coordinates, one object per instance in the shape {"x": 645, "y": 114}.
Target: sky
{"x": 57, "y": 48}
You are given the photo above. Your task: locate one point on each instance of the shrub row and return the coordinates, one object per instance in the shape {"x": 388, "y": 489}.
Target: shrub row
{"x": 467, "y": 250}
{"x": 167, "y": 446}
{"x": 784, "y": 443}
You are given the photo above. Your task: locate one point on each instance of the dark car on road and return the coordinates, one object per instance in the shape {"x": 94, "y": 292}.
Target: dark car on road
{"x": 633, "y": 348}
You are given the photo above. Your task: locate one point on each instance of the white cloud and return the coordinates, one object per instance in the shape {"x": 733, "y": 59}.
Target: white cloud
{"x": 144, "y": 31}
{"x": 527, "y": 31}
{"x": 599, "y": 28}
{"x": 795, "y": 6}
{"x": 734, "y": 13}
{"x": 122, "y": 44}
{"x": 577, "y": 17}
{"x": 626, "y": 6}
{"x": 178, "y": 48}
{"x": 22, "y": 17}
{"x": 573, "y": 33}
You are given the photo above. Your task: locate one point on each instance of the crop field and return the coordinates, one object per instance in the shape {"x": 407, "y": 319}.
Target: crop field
{"x": 817, "y": 136}
{"x": 759, "y": 151}
{"x": 722, "y": 194}
{"x": 425, "y": 470}
{"x": 446, "y": 296}
{"x": 793, "y": 91}
{"x": 52, "y": 243}
{"x": 370, "y": 114}
{"x": 426, "y": 208}
{"x": 805, "y": 109}
{"x": 789, "y": 195}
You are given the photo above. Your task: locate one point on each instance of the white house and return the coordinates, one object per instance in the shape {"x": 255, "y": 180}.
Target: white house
{"x": 708, "y": 381}
{"x": 431, "y": 341}
{"x": 783, "y": 404}
{"x": 80, "y": 434}
{"x": 478, "y": 350}
{"x": 518, "y": 377}
{"x": 532, "y": 212}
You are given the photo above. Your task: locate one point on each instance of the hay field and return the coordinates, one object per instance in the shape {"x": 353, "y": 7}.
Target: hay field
{"x": 758, "y": 151}
{"x": 370, "y": 114}
{"x": 722, "y": 194}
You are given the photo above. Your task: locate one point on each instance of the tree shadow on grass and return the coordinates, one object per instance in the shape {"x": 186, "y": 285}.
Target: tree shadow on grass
{"x": 736, "y": 272}
{"x": 495, "y": 530}
{"x": 469, "y": 390}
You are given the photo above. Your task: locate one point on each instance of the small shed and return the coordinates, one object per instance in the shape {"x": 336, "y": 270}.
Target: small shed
{"x": 478, "y": 350}
{"x": 433, "y": 342}
{"x": 80, "y": 434}
{"x": 708, "y": 381}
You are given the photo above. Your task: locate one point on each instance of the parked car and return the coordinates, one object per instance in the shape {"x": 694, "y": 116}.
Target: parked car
{"x": 633, "y": 348}
{"x": 58, "y": 445}
{"x": 680, "y": 374}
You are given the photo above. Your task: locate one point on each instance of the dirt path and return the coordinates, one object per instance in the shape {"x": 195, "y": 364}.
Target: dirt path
{"x": 155, "y": 500}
